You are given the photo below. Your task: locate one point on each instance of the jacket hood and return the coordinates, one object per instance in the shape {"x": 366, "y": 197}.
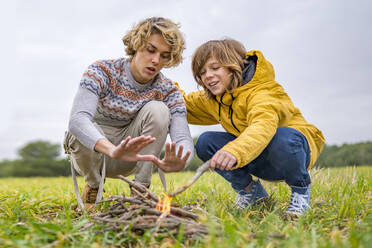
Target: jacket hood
{"x": 264, "y": 72}
{"x": 264, "y": 69}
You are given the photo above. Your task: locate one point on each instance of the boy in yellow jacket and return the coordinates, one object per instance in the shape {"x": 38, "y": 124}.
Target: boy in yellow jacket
{"x": 266, "y": 135}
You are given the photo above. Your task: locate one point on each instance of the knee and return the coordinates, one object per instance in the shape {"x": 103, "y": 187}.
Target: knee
{"x": 158, "y": 114}
{"x": 287, "y": 141}
{"x": 202, "y": 146}
{"x": 288, "y": 149}
{"x": 210, "y": 142}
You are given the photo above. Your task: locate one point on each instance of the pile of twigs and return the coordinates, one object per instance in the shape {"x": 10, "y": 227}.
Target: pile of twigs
{"x": 138, "y": 214}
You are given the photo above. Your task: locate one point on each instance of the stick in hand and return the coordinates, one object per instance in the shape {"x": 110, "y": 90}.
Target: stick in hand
{"x": 203, "y": 168}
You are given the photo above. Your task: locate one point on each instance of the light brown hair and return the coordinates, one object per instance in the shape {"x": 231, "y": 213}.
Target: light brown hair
{"x": 228, "y": 52}
{"x": 136, "y": 38}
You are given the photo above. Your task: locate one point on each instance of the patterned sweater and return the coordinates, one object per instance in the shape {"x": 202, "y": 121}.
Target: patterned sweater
{"x": 109, "y": 95}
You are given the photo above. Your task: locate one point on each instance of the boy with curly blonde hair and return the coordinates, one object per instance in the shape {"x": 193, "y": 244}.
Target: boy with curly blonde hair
{"x": 124, "y": 109}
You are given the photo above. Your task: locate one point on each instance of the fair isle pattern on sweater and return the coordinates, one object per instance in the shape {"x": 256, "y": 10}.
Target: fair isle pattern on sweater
{"x": 120, "y": 97}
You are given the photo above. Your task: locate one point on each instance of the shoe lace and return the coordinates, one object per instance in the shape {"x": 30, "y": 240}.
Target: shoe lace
{"x": 244, "y": 197}
{"x": 241, "y": 201}
{"x": 92, "y": 194}
{"x": 298, "y": 201}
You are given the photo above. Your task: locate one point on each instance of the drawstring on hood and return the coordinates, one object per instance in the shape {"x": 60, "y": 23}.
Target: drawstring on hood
{"x": 247, "y": 74}
{"x": 231, "y": 111}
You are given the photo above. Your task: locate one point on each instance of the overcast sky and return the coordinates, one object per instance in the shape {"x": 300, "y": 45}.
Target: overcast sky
{"x": 321, "y": 51}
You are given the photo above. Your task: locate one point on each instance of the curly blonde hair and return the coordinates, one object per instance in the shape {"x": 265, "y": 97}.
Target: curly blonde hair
{"x": 136, "y": 38}
{"x": 228, "y": 52}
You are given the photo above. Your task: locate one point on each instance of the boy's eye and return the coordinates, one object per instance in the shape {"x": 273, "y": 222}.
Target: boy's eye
{"x": 165, "y": 56}
{"x": 150, "y": 50}
{"x": 202, "y": 73}
{"x": 215, "y": 68}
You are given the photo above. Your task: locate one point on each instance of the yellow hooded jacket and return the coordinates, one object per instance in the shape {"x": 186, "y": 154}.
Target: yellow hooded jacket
{"x": 253, "y": 112}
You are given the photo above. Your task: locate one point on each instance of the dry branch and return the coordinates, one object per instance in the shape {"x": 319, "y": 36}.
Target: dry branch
{"x": 203, "y": 168}
{"x": 139, "y": 214}
{"x": 140, "y": 188}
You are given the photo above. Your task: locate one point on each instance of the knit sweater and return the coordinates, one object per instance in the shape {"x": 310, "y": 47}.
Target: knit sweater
{"x": 109, "y": 95}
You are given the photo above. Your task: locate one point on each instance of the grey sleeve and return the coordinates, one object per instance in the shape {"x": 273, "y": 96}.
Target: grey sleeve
{"x": 180, "y": 133}
{"x": 81, "y": 118}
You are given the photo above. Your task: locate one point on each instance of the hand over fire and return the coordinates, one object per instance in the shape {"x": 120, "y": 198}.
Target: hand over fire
{"x": 128, "y": 150}
{"x": 173, "y": 160}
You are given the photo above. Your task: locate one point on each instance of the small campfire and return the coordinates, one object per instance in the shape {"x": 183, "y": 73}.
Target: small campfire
{"x": 164, "y": 205}
{"x": 144, "y": 210}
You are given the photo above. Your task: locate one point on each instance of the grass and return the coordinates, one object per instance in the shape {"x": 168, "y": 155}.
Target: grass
{"x": 38, "y": 212}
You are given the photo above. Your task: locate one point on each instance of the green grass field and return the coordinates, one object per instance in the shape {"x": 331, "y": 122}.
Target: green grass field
{"x": 38, "y": 212}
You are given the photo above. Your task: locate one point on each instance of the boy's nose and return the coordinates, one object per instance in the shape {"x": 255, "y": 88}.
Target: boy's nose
{"x": 156, "y": 59}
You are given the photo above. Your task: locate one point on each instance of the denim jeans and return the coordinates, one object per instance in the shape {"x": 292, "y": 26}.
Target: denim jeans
{"x": 286, "y": 158}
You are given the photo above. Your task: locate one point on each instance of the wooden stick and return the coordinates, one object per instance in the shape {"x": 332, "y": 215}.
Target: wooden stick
{"x": 140, "y": 188}
{"x": 132, "y": 200}
{"x": 141, "y": 216}
{"x": 137, "y": 193}
{"x": 198, "y": 173}
{"x": 175, "y": 211}
{"x": 160, "y": 220}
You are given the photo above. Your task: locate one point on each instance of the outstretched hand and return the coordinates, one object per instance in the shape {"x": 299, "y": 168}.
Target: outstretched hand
{"x": 173, "y": 160}
{"x": 128, "y": 150}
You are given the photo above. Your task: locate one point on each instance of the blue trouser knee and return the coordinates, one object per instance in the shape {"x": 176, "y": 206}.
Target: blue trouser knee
{"x": 286, "y": 158}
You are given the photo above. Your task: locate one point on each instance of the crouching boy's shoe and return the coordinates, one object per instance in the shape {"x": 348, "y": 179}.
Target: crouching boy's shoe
{"x": 254, "y": 195}
{"x": 300, "y": 201}
{"x": 89, "y": 197}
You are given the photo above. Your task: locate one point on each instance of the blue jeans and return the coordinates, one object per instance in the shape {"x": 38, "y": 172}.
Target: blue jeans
{"x": 285, "y": 158}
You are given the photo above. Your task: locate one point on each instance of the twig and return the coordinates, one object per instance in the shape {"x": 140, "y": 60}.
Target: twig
{"x": 160, "y": 220}
{"x": 139, "y": 214}
{"x": 198, "y": 173}
{"x": 140, "y": 188}
{"x": 176, "y": 211}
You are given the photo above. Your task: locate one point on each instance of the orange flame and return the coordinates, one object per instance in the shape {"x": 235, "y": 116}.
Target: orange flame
{"x": 164, "y": 205}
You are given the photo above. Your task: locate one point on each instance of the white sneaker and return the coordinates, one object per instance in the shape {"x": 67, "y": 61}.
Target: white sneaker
{"x": 250, "y": 198}
{"x": 300, "y": 203}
